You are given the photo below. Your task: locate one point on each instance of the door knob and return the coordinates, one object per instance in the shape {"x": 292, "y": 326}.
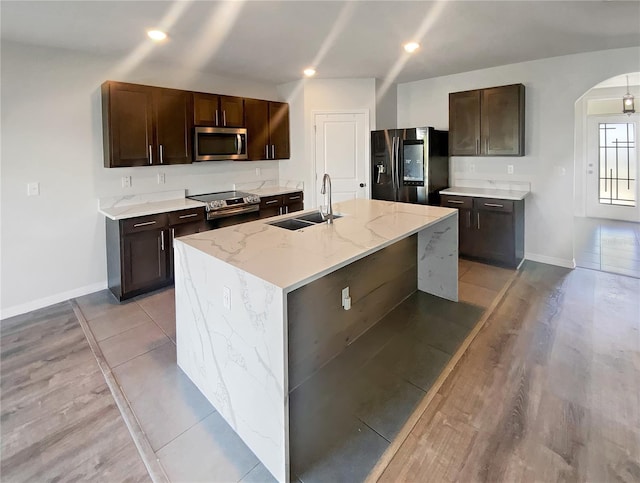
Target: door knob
{"x": 362, "y": 185}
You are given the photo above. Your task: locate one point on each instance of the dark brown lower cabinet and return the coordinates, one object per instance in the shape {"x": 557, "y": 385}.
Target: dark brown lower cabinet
{"x": 281, "y": 204}
{"x": 490, "y": 230}
{"x": 140, "y": 250}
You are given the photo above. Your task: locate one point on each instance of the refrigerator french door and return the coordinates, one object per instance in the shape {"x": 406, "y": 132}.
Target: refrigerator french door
{"x": 409, "y": 165}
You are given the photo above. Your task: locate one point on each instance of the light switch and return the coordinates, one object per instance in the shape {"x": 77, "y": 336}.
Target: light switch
{"x": 33, "y": 189}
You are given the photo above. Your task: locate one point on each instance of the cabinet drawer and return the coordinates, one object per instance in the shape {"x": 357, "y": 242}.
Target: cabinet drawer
{"x": 489, "y": 204}
{"x": 453, "y": 201}
{"x": 144, "y": 223}
{"x": 271, "y": 201}
{"x": 186, "y": 216}
{"x": 293, "y": 198}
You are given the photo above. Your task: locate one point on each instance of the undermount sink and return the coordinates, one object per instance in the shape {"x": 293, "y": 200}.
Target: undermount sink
{"x": 302, "y": 221}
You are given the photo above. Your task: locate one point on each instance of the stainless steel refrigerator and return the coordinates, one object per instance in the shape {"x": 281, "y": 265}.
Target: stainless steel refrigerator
{"x": 409, "y": 165}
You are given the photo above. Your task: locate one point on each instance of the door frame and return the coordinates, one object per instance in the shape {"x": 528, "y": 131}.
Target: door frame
{"x": 591, "y": 208}
{"x": 367, "y": 146}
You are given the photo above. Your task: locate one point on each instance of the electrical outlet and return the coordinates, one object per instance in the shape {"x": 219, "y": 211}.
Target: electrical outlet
{"x": 126, "y": 181}
{"x": 510, "y": 169}
{"x": 472, "y": 168}
{"x": 161, "y": 178}
{"x": 346, "y": 299}
{"x": 226, "y": 297}
{"x": 33, "y": 189}
{"x": 257, "y": 171}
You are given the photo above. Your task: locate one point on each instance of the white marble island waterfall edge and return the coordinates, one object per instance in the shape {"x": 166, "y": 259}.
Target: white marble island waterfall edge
{"x": 237, "y": 356}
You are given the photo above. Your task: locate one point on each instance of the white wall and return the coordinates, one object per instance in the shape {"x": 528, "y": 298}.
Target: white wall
{"x": 53, "y": 245}
{"x": 552, "y": 88}
{"x": 311, "y": 95}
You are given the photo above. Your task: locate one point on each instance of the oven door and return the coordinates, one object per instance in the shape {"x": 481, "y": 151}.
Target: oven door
{"x": 233, "y": 216}
{"x": 219, "y": 144}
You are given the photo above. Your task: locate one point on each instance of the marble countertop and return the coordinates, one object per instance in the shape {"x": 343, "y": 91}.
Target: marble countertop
{"x": 291, "y": 259}
{"x": 148, "y": 208}
{"x": 273, "y": 190}
{"x": 486, "y": 193}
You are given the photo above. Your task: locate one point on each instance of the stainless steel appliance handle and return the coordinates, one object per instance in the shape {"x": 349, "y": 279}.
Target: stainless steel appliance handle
{"x": 212, "y": 215}
{"x": 398, "y": 163}
{"x": 239, "y": 144}
{"x": 144, "y": 224}
{"x": 393, "y": 164}
{"x": 456, "y": 202}
{"x": 217, "y": 123}
{"x": 188, "y": 216}
{"x": 224, "y": 118}
{"x": 162, "y": 240}
{"x": 150, "y": 155}
{"x": 494, "y": 205}
{"x": 161, "y": 154}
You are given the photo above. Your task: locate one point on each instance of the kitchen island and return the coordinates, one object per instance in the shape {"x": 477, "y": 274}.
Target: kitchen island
{"x": 259, "y": 308}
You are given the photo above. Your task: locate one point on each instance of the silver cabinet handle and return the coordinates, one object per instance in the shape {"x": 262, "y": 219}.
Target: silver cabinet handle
{"x": 162, "y": 240}
{"x": 478, "y": 220}
{"x": 266, "y": 151}
{"x": 294, "y": 197}
{"x": 456, "y": 202}
{"x": 477, "y": 146}
{"x": 188, "y": 216}
{"x": 161, "y": 154}
{"x": 469, "y": 219}
{"x": 239, "y": 143}
{"x": 494, "y": 205}
{"x": 271, "y": 202}
{"x": 273, "y": 151}
{"x": 150, "y": 155}
{"x": 217, "y": 123}
{"x": 224, "y": 118}
{"x": 144, "y": 224}
{"x": 173, "y": 235}
{"x": 486, "y": 146}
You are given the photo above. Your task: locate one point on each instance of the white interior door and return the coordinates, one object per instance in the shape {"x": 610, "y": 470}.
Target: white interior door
{"x": 612, "y": 168}
{"x": 342, "y": 151}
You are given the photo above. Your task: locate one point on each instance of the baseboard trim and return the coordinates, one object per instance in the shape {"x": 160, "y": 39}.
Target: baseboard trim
{"x": 559, "y": 262}
{"x": 52, "y": 299}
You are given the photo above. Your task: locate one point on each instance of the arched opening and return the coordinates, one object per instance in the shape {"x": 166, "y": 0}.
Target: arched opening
{"x": 606, "y": 187}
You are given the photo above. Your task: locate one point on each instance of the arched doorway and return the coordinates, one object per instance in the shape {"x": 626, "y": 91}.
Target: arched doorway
{"x": 607, "y": 165}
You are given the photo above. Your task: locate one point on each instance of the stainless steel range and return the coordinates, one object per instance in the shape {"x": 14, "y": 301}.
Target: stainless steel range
{"x": 229, "y": 207}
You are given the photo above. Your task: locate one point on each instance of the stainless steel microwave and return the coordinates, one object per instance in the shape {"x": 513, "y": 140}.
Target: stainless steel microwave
{"x": 219, "y": 143}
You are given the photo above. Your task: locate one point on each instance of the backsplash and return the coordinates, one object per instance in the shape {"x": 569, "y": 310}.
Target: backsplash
{"x": 254, "y": 185}
{"x": 492, "y": 184}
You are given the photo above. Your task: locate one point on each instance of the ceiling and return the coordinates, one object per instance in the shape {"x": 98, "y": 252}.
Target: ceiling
{"x": 273, "y": 41}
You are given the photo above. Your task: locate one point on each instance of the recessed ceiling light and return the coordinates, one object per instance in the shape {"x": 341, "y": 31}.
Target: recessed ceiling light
{"x": 156, "y": 35}
{"x": 309, "y": 72}
{"x": 411, "y": 46}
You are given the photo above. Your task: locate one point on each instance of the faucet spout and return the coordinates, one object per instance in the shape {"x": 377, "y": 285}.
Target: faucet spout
{"x": 326, "y": 180}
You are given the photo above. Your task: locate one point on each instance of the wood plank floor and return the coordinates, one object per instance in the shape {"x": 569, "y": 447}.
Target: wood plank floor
{"x": 59, "y": 421}
{"x": 548, "y": 391}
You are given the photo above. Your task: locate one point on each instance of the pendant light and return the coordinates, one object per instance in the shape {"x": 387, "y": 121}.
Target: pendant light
{"x": 627, "y": 102}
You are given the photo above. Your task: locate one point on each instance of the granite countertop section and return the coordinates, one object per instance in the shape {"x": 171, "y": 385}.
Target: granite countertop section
{"x": 273, "y": 190}
{"x": 291, "y": 259}
{"x": 486, "y": 193}
{"x": 149, "y": 208}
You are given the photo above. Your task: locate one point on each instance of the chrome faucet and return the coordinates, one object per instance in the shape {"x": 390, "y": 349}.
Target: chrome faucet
{"x": 327, "y": 179}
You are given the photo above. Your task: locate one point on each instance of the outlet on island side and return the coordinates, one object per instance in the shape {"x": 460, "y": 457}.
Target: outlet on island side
{"x": 346, "y": 299}
{"x": 510, "y": 169}
{"x": 126, "y": 181}
{"x": 226, "y": 297}
{"x": 161, "y": 178}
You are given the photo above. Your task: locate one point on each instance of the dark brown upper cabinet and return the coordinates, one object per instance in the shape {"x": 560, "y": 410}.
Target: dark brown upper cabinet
{"x": 267, "y": 124}
{"x": 487, "y": 122}
{"x": 144, "y": 125}
{"x": 215, "y": 110}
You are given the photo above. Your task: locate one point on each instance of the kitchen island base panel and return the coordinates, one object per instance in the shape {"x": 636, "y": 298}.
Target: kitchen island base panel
{"x": 235, "y": 356}
{"x": 438, "y": 259}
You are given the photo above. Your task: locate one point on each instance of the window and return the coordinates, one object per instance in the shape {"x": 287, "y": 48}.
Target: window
{"x": 617, "y": 164}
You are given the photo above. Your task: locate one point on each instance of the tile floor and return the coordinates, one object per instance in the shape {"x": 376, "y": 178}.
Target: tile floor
{"x": 193, "y": 443}
{"x": 607, "y": 245}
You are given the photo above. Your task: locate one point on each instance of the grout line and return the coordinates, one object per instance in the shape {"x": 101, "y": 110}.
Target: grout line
{"x": 371, "y": 428}
{"x": 148, "y": 456}
{"x": 159, "y": 326}
{"x": 406, "y": 430}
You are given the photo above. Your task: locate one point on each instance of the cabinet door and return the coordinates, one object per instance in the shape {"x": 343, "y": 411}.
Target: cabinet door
{"x": 232, "y": 109}
{"x": 145, "y": 260}
{"x": 127, "y": 120}
{"x": 271, "y": 206}
{"x": 495, "y": 238}
{"x": 279, "y": 130}
{"x": 502, "y": 121}
{"x": 464, "y": 123}
{"x": 205, "y": 109}
{"x": 174, "y": 126}
{"x": 293, "y": 202}
{"x": 257, "y": 124}
{"x": 466, "y": 224}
